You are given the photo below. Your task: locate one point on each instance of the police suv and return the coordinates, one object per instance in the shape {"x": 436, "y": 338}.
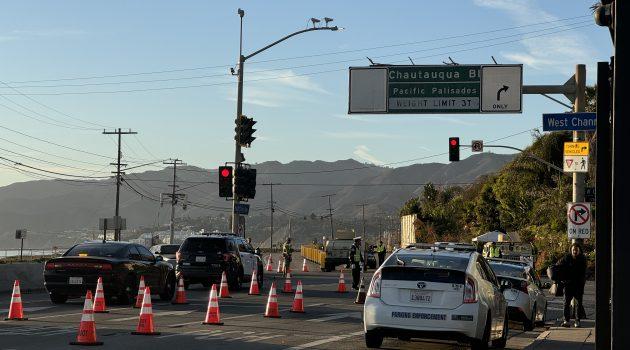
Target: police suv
{"x": 440, "y": 291}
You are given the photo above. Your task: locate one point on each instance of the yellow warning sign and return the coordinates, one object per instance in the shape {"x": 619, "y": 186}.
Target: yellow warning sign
{"x": 576, "y": 148}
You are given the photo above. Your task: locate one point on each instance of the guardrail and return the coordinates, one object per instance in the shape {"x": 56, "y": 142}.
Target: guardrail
{"x": 29, "y": 254}
{"x": 314, "y": 254}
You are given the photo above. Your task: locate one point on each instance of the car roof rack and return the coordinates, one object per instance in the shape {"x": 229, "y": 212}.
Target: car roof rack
{"x": 446, "y": 246}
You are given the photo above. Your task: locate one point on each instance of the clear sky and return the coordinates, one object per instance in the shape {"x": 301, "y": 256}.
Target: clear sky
{"x": 161, "y": 68}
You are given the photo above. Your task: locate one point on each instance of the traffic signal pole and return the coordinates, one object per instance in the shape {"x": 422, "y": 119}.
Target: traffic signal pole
{"x": 579, "y": 105}
{"x": 238, "y": 156}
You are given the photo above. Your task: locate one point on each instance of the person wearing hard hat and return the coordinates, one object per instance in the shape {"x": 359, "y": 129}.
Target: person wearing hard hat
{"x": 356, "y": 262}
{"x": 287, "y": 251}
{"x": 493, "y": 251}
{"x": 380, "y": 251}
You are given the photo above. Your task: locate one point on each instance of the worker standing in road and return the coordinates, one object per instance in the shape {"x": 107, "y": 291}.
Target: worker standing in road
{"x": 356, "y": 262}
{"x": 287, "y": 251}
{"x": 380, "y": 251}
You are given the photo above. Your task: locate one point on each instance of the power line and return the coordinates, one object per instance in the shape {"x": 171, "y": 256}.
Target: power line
{"x": 48, "y": 153}
{"x": 285, "y": 76}
{"x": 295, "y": 57}
{"x": 53, "y": 172}
{"x": 45, "y": 161}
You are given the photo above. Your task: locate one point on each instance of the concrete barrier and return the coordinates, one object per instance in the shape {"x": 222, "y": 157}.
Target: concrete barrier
{"x": 30, "y": 275}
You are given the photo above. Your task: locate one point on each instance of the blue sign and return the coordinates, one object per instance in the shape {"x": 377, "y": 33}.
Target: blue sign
{"x": 583, "y": 121}
{"x": 241, "y": 209}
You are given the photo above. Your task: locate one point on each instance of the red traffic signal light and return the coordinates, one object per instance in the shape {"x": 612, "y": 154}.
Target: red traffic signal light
{"x": 453, "y": 149}
{"x": 225, "y": 181}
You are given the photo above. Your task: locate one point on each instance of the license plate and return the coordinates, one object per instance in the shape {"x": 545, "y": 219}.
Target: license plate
{"x": 200, "y": 259}
{"x": 420, "y": 297}
{"x": 75, "y": 280}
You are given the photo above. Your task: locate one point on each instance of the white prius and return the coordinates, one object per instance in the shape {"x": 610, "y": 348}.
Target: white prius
{"x": 436, "y": 292}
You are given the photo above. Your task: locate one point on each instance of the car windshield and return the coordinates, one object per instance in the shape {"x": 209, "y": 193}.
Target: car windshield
{"x": 204, "y": 245}
{"x": 98, "y": 249}
{"x": 459, "y": 263}
{"x": 508, "y": 270}
{"x": 169, "y": 249}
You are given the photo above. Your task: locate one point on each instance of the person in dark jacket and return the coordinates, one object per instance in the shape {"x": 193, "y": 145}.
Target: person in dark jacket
{"x": 574, "y": 278}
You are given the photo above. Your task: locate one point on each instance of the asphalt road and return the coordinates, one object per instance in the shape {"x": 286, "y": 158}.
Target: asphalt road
{"x": 331, "y": 321}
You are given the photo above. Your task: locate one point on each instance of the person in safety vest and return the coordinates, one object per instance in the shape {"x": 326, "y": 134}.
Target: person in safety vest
{"x": 287, "y": 251}
{"x": 356, "y": 262}
{"x": 380, "y": 251}
{"x": 493, "y": 251}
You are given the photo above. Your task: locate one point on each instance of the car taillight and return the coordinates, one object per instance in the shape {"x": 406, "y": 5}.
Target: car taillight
{"x": 50, "y": 266}
{"x": 470, "y": 291}
{"x": 227, "y": 256}
{"x": 375, "y": 286}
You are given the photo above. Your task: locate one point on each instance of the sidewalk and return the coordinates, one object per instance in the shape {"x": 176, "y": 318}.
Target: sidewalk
{"x": 566, "y": 338}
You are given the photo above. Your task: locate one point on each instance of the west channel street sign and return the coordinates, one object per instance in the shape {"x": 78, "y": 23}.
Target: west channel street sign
{"x": 576, "y": 148}
{"x": 431, "y": 89}
{"x": 477, "y": 146}
{"x": 582, "y": 121}
{"x": 502, "y": 88}
{"x": 579, "y": 220}
{"x": 575, "y": 164}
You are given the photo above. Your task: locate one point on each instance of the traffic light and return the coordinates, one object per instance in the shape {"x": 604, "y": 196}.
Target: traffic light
{"x": 225, "y": 181}
{"x": 453, "y": 149}
{"x": 245, "y": 131}
{"x": 245, "y": 182}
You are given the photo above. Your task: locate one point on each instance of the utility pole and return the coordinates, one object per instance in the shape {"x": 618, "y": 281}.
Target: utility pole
{"x": 330, "y": 214}
{"x": 579, "y": 105}
{"x": 363, "y": 219}
{"x": 272, "y": 210}
{"x": 174, "y": 195}
{"x": 118, "y": 173}
{"x": 238, "y": 156}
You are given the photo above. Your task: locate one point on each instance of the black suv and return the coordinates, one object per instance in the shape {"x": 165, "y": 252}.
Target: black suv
{"x": 202, "y": 259}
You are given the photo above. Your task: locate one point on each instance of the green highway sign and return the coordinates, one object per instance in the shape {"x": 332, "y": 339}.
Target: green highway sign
{"x": 431, "y": 89}
{"x": 435, "y": 89}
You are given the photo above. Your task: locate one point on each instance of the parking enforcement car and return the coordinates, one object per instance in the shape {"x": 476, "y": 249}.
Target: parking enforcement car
{"x": 436, "y": 293}
{"x": 526, "y": 300}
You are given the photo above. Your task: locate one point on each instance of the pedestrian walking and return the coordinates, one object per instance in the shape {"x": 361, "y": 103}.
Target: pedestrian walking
{"x": 356, "y": 262}
{"x": 573, "y": 266}
{"x": 287, "y": 252}
{"x": 380, "y": 251}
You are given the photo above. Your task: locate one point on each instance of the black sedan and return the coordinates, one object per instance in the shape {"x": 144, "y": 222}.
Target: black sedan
{"x": 120, "y": 264}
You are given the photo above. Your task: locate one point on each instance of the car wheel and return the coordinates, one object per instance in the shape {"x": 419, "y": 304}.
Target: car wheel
{"x": 528, "y": 324}
{"x": 58, "y": 298}
{"x": 501, "y": 342}
{"x": 128, "y": 294}
{"x": 260, "y": 277}
{"x": 186, "y": 285}
{"x": 544, "y": 316}
{"x": 237, "y": 281}
{"x": 169, "y": 288}
{"x": 373, "y": 339}
{"x": 482, "y": 344}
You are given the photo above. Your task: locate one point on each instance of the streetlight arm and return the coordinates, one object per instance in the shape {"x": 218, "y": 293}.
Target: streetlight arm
{"x": 287, "y": 37}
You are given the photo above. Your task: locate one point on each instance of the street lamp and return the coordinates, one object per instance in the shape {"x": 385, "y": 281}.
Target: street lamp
{"x": 238, "y": 156}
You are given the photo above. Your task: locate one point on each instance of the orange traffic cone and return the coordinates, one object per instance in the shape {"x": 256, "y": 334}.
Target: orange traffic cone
{"x": 298, "y": 301}
{"x": 288, "y": 288}
{"x": 213, "y": 316}
{"x": 269, "y": 266}
{"x": 280, "y": 268}
{"x": 272, "y": 303}
{"x": 87, "y": 327}
{"x": 16, "y": 311}
{"x": 140, "y": 295}
{"x": 304, "y": 266}
{"x": 180, "y": 295}
{"x": 253, "y": 287}
{"x": 145, "y": 324}
{"x": 341, "y": 288}
{"x": 224, "y": 292}
{"x": 99, "y": 298}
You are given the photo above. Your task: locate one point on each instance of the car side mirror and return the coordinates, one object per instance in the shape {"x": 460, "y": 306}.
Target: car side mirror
{"x": 546, "y": 285}
{"x": 159, "y": 258}
{"x": 505, "y": 285}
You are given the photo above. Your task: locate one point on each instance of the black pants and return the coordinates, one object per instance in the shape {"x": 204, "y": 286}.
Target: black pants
{"x": 571, "y": 292}
{"x": 356, "y": 275}
{"x": 381, "y": 258}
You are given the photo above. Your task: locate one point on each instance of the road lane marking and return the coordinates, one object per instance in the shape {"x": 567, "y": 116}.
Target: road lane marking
{"x": 337, "y": 316}
{"x": 185, "y": 333}
{"x": 325, "y": 341}
{"x": 155, "y": 314}
{"x": 72, "y": 314}
{"x": 215, "y": 333}
{"x": 261, "y": 338}
{"x": 30, "y": 309}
